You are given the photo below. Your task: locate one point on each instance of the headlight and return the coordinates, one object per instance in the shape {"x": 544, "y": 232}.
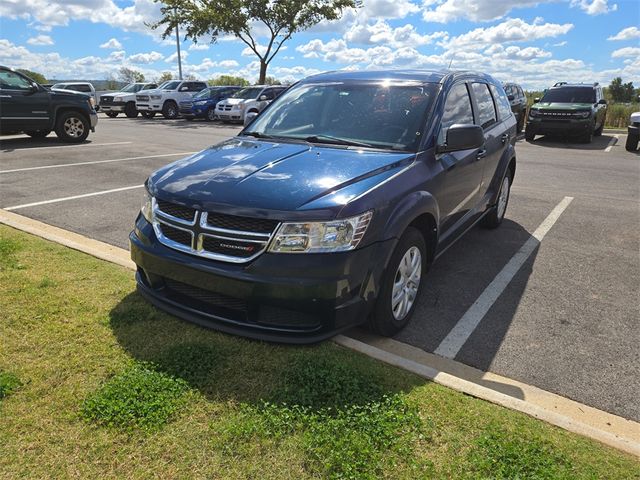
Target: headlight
{"x": 240, "y": 106}
{"x": 321, "y": 237}
{"x": 147, "y": 205}
{"x": 585, "y": 114}
{"x": 534, "y": 113}
{"x": 92, "y": 102}
{"x": 200, "y": 102}
{"x": 155, "y": 97}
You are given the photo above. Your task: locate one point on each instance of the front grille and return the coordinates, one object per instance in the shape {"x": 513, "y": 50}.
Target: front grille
{"x": 206, "y": 296}
{"x": 177, "y": 211}
{"x": 186, "y": 104}
{"x": 176, "y": 234}
{"x": 230, "y": 248}
{"x": 106, "y": 99}
{"x": 225, "y": 108}
{"x": 142, "y": 98}
{"x": 243, "y": 224}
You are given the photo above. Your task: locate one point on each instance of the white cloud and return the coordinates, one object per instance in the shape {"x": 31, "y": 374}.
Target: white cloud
{"x": 476, "y": 10}
{"x": 146, "y": 58}
{"x": 174, "y": 57}
{"x": 511, "y": 30}
{"x": 199, "y": 46}
{"x": 40, "y": 40}
{"x": 628, "y": 33}
{"x": 626, "y": 52}
{"x": 247, "y": 52}
{"x": 594, "y": 7}
{"x": 382, "y": 33}
{"x": 112, "y": 43}
{"x": 117, "y": 56}
{"x": 560, "y": 44}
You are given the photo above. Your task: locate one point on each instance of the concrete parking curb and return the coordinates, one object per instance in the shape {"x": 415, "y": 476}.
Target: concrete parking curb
{"x": 575, "y": 417}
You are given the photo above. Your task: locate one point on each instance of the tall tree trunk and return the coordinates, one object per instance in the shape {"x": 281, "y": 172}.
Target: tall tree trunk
{"x": 263, "y": 72}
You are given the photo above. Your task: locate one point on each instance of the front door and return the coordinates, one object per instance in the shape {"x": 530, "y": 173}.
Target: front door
{"x": 24, "y": 106}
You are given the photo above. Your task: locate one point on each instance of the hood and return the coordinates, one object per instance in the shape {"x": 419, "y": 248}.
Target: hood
{"x": 58, "y": 92}
{"x": 562, "y": 106}
{"x": 236, "y": 101}
{"x": 154, "y": 91}
{"x": 251, "y": 174}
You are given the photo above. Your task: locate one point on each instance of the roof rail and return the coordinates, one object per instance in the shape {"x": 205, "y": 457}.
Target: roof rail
{"x": 559, "y": 84}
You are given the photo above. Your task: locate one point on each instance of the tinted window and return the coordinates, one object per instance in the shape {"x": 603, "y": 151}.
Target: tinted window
{"x": 170, "y": 85}
{"x": 504, "y": 107}
{"x": 486, "y": 110}
{"x": 520, "y": 92}
{"x": 196, "y": 86}
{"x": 570, "y": 95}
{"x": 151, "y": 86}
{"x": 13, "y": 81}
{"x": 378, "y": 115}
{"x": 247, "y": 93}
{"x": 457, "y": 109}
{"x": 80, "y": 88}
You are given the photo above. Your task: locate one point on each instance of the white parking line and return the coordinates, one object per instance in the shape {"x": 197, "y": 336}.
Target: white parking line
{"x": 68, "y": 146}
{"x": 460, "y": 333}
{"x": 95, "y": 162}
{"x": 75, "y": 197}
{"x": 612, "y": 142}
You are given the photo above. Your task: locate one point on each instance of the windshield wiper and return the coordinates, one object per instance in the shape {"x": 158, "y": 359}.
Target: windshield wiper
{"x": 256, "y": 135}
{"x": 336, "y": 141}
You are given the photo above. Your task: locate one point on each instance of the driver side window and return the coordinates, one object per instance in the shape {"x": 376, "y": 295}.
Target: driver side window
{"x": 457, "y": 109}
{"x": 13, "y": 81}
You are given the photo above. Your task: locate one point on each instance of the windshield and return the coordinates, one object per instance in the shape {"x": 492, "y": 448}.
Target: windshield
{"x": 170, "y": 85}
{"x": 570, "y": 95}
{"x": 204, "y": 94}
{"x": 132, "y": 88}
{"x": 60, "y": 86}
{"x": 360, "y": 114}
{"x": 247, "y": 93}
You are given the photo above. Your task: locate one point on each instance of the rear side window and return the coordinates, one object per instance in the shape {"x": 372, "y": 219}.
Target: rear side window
{"x": 504, "y": 107}
{"x": 80, "y": 88}
{"x": 486, "y": 110}
{"x": 457, "y": 109}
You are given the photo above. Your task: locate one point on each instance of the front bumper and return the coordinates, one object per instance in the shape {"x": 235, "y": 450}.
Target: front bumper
{"x": 232, "y": 116}
{"x": 113, "y": 107}
{"x": 568, "y": 126}
{"x": 149, "y": 107}
{"x": 93, "y": 120}
{"x": 633, "y": 129}
{"x": 288, "y": 298}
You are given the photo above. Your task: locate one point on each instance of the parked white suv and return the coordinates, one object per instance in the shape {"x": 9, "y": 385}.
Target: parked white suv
{"x": 82, "y": 87}
{"x": 166, "y": 98}
{"x": 248, "y": 100}
{"x": 124, "y": 101}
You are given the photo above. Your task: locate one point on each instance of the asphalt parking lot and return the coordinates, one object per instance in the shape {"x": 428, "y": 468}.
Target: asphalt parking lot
{"x": 565, "y": 321}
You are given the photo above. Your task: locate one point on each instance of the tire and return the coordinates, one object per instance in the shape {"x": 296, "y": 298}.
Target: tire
{"x": 148, "y": 114}
{"x": 111, "y": 114}
{"x": 588, "y": 137}
{"x": 210, "y": 116}
{"x": 494, "y": 218}
{"x": 38, "y": 133}
{"x": 72, "y": 126}
{"x": 404, "y": 270}
{"x": 189, "y": 119}
{"x": 520, "y": 124}
{"x": 529, "y": 136}
{"x": 631, "y": 144}
{"x": 130, "y": 110}
{"x": 170, "y": 110}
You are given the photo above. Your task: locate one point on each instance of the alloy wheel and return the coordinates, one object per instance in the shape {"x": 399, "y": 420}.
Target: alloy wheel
{"x": 74, "y": 127}
{"x": 406, "y": 283}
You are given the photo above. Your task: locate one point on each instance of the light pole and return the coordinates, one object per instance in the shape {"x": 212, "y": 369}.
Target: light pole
{"x": 175, "y": 11}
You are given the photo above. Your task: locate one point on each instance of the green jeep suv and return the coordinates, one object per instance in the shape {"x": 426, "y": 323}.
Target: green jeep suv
{"x": 577, "y": 109}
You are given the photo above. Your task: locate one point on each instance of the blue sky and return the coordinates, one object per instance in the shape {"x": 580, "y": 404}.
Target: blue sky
{"x": 533, "y": 42}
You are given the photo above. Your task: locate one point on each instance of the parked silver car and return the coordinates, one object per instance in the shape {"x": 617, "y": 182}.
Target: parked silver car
{"x": 248, "y": 100}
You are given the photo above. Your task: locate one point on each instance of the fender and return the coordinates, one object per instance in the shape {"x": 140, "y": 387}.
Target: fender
{"x": 508, "y": 155}
{"x": 407, "y": 210}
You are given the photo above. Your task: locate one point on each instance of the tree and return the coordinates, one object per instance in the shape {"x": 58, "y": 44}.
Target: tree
{"x": 111, "y": 83}
{"x": 166, "y": 76}
{"x": 35, "y": 76}
{"x": 130, "y": 75}
{"x": 621, "y": 92}
{"x": 272, "y": 81}
{"x": 244, "y": 18}
{"x": 228, "y": 80}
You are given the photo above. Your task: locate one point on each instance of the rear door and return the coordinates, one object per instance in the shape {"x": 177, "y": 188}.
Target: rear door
{"x": 22, "y": 108}
{"x": 462, "y": 170}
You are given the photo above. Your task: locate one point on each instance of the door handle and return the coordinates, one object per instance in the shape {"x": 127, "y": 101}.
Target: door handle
{"x": 504, "y": 138}
{"x": 481, "y": 154}
{"x": 5, "y": 96}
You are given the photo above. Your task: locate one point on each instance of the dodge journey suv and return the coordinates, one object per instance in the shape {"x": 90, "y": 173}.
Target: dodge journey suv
{"x": 326, "y": 211}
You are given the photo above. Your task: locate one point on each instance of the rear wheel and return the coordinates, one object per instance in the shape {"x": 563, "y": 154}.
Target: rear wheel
{"x": 211, "y": 114}
{"x": 170, "y": 110}
{"x": 72, "y": 127}
{"x": 130, "y": 110}
{"x": 148, "y": 114}
{"x": 400, "y": 284}
{"x": 494, "y": 218}
{"x": 38, "y": 133}
{"x": 631, "y": 144}
{"x": 111, "y": 114}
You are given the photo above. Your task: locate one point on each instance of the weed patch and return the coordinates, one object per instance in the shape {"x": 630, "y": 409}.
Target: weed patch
{"x": 8, "y": 250}
{"x": 140, "y": 397}
{"x": 9, "y": 383}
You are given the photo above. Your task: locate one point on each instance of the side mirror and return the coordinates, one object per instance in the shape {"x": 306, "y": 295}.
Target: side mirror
{"x": 602, "y": 101}
{"x": 35, "y": 87}
{"x": 462, "y": 137}
{"x": 250, "y": 117}
{"x": 536, "y": 100}
{"x": 184, "y": 89}
{"x": 510, "y": 98}
{"x": 263, "y": 98}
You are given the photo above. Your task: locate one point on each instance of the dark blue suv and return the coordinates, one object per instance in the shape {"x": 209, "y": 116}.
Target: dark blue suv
{"x": 326, "y": 211}
{"x": 203, "y": 104}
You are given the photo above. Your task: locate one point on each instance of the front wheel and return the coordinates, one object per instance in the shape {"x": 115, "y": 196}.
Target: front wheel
{"x": 401, "y": 284}
{"x": 148, "y": 114}
{"x": 494, "y": 218}
{"x": 170, "y": 110}
{"x": 38, "y": 133}
{"x": 111, "y": 114}
{"x": 130, "y": 110}
{"x": 211, "y": 114}
{"x": 529, "y": 136}
{"x": 72, "y": 127}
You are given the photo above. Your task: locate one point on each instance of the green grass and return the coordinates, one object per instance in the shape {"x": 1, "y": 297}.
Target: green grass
{"x": 111, "y": 387}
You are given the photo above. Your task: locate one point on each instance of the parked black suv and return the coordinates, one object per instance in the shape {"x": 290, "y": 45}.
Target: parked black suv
{"x": 577, "y": 109}
{"x": 518, "y": 101}
{"x": 26, "y": 107}
{"x": 326, "y": 211}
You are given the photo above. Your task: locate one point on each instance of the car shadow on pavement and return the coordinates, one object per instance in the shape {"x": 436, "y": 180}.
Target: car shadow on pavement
{"x": 456, "y": 281}
{"x": 24, "y": 143}
{"x": 226, "y": 367}
{"x": 563, "y": 141}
